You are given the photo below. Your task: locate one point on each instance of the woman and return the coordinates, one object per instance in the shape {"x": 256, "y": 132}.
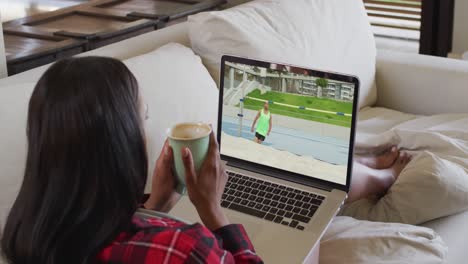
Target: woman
{"x": 86, "y": 171}
{"x": 85, "y": 175}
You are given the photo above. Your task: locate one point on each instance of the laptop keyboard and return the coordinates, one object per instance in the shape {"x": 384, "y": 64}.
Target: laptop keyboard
{"x": 276, "y": 203}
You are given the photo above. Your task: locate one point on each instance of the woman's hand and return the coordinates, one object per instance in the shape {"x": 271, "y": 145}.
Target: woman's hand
{"x": 206, "y": 188}
{"x": 163, "y": 196}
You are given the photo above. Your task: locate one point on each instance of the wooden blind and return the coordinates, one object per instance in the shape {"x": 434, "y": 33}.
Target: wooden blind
{"x": 393, "y": 17}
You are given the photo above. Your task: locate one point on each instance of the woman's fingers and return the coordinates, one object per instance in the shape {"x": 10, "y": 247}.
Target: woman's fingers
{"x": 164, "y": 161}
{"x": 224, "y": 179}
{"x": 168, "y": 156}
{"x": 213, "y": 149}
{"x": 190, "y": 175}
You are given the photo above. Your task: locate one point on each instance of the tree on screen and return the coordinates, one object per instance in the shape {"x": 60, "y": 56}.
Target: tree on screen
{"x": 321, "y": 83}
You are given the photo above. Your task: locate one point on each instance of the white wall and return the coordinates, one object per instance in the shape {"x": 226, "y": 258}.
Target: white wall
{"x": 460, "y": 31}
{"x": 3, "y": 69}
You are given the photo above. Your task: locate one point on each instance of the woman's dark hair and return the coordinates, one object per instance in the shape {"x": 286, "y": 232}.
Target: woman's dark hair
{"x": 86, "y": 165}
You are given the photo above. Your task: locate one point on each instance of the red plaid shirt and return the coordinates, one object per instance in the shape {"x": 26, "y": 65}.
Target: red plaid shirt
{"x": 163, "y": 240}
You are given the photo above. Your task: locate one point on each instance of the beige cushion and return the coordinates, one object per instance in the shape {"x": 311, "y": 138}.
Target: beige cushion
{"x": 177, "y": 88}
{"x": 330, "y": 35}
{"x": 357, "y": 242}
{"x": 435, "y": 183}
{"x": 429, "y": 187}
{"x": 421, "y": 84}
{"x": 3, "y": 67}
{"x": 454, "y": 231}
{"x": 14, "y": 101}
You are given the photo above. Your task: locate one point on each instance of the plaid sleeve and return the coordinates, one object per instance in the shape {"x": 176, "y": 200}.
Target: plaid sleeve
{"x": 234, "y": 239}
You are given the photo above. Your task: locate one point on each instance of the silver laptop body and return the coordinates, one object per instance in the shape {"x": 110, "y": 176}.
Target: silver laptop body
{"x": 287, "y": 188}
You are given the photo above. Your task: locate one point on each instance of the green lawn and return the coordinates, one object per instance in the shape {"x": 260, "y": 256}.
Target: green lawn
{"x": 311, "y": 102}
{"x": 306, "y": 101}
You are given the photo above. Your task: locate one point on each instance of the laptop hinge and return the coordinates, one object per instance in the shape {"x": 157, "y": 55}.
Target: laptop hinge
{"x": 298, "y": 180}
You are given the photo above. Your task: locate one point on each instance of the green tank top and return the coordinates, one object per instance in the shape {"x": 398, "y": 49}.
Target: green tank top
{"x": 263, "y": 123}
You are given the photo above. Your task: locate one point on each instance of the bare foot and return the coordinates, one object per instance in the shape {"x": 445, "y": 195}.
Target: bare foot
{"x": 387, "y": 177}
{"x": 367, "y": 181}
{"x": 382, "y": 161}
{"x": 401, "y": 162}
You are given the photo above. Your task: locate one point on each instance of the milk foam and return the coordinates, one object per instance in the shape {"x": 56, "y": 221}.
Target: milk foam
{"x": 190, "y": 131}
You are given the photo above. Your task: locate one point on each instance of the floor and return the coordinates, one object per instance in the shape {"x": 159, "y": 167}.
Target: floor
{"x": 11, "y": 10}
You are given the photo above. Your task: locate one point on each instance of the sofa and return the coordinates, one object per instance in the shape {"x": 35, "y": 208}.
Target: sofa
{"x": 3, "y": 66}
{"x": 408, "y": 84}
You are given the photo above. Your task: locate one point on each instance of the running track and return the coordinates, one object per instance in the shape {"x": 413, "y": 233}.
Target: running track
{"x": 301, "y": 143}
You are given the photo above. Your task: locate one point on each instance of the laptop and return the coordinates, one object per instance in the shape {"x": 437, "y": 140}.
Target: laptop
{"x": 286, "y": 134}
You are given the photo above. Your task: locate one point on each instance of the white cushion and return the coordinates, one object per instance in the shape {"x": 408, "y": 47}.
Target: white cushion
{"x": 330, "y": 35}
{"x": 352, "y": 241}
{"x": 465, "y": 56}
{"x": 177, "y": 88}
{"x": 14, "y": 102}
{"x": 413, "y": 83}
{"x": 173, "y": 82}
{"x": 453, "y": 230}
{"x": 3, "y": 66}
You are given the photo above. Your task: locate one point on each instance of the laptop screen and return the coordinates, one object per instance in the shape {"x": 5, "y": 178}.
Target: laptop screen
{"x": 287, "y": 118}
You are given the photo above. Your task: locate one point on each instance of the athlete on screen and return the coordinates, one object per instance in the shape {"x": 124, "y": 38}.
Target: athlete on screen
{"x": 264, "y": 124}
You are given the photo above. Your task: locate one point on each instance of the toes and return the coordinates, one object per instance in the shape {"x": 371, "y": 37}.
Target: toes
{"x": 402, "y": 158}
{"x": 405, "y": 158}
{"x": 410, "y": 157}
{"x": 394, "y": 152}
{"x": 390, "y": 155}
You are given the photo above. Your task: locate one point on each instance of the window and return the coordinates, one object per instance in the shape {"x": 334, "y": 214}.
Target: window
{"x": 423, "y": 26}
